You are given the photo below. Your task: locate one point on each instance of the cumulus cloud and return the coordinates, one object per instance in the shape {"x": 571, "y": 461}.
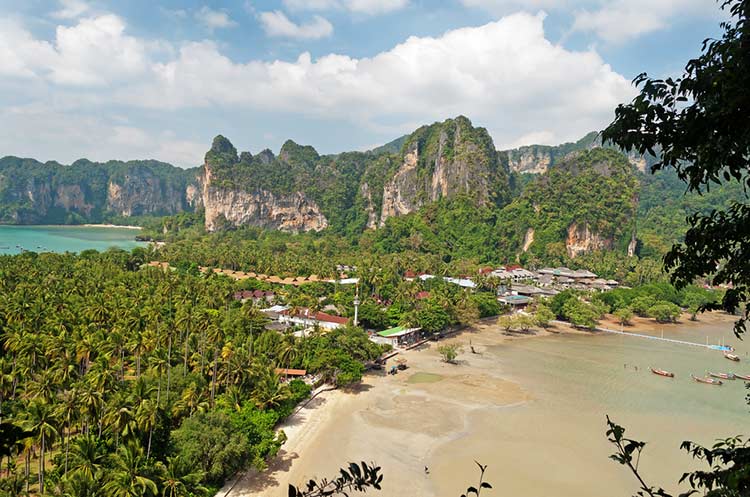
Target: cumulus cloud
{"x": 369, "y": 7}
{"x": 70, "y": 9}
{"x": 277, "y": 24}
{"x": 96, "y": 51}
{"x": 214, "y": 19}
{"x": 505, "y": 75}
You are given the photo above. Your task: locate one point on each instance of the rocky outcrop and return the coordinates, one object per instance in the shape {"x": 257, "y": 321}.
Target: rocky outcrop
{"x": 528, "y": 239}
{"x": 72, "y": 198}
{"x": 442, "y": 161}
{"x": 530, "y": 160}
{"x": 582, "y": 240}
{"x": 144, "y": 194}
{"x": 400, "y": 194}
{"x": 366, "y": 195}
{"x": 293, "y": 212}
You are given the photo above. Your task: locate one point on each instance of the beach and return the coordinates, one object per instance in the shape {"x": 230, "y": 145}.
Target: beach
{"x": 116, "y": 226}
{"x": 444, "y": 416}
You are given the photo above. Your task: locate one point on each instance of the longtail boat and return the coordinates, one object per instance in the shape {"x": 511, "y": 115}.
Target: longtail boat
{"x": 661, "y": 372}
{"x": 732, "y": 357}
{"x": 709, "y": 381}
{"x": 723, "y": 376}
{"x": 745, "y": 377}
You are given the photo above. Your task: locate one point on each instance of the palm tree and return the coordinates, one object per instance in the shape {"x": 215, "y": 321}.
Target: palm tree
{"x": 180, "y": 480}
{"x": 41, "y": 421}
{"x": 67, "y": 410}
{"x": 129, "y": 476}
{"x": 146, "y": 416}
{"x": 86, "y": 457}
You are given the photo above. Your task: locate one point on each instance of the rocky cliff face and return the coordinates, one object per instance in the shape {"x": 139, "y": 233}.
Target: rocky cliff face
{"x": 582, "y": 240}
{"x": 442, "y": 161}
{"x": 232, "y": 193}
{"x": 537, "y": 159}
{"x": 144, "y": 194}
{"x": 35, "y": 193}
{"x": 293, "y": 212}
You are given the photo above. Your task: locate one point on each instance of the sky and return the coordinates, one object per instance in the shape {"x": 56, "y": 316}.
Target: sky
{"x": 158, "y": 79}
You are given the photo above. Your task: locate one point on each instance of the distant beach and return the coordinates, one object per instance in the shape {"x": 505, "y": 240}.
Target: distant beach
{"x": 523, "y": 404}
{"x": 119, "y": 226}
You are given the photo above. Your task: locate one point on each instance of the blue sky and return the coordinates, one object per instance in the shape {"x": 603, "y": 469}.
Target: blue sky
{"x": 107, "y": 79}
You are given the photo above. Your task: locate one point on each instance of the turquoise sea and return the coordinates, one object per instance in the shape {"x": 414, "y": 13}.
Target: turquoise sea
{"x": 15, "y": 239}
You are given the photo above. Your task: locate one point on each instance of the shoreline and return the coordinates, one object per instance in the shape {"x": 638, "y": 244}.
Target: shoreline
{"x": 88, "y": 225}
{"x": 380, "y": 417}
{"x": 117, "y": 226}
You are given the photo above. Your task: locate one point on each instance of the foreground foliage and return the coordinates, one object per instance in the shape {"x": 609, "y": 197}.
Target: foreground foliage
{"x": 116, "y": 380}
{"x": 700, "y": 123}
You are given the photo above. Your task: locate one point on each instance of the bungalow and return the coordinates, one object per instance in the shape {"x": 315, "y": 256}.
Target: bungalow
{"x": 306, "y": 317}
{"x": 516, "y": 302}
{"x": 255, "y": 295}
{"x": 399, "y": 336}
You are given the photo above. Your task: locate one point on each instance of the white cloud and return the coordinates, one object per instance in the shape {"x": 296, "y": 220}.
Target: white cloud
{"x": 95, "y": 51}
{"x": 505, "y": 75}
{"x": 214, "y": 19}
{"x": 70, "y": 9}
{"x": 369, "y": 7}
{"x": 66, "y": 135}
{"x": 278, "y": 25}
{"x": 620, "y": 20}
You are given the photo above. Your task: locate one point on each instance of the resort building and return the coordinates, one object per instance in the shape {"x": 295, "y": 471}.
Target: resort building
{"x": 305, "y": 317}
{"x": 399, "y": 336}
{"x": 516, "y": 302}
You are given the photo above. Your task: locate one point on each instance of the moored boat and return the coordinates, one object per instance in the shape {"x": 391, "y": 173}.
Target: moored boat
{"x": 745, "y": 377}
{"x": 732, "y": 357}
{"x": 709, "y": 381}
{"x": 661, "y": 372}
{"x": 723, "y": 376}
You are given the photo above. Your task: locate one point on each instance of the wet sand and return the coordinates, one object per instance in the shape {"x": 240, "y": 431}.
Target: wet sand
{"x": 397, "y": 421}
{"x": 445, "y": 416}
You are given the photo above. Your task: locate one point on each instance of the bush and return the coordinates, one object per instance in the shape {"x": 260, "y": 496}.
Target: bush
{"x": 664, "y": 312}
{"x": 449, "y": 352}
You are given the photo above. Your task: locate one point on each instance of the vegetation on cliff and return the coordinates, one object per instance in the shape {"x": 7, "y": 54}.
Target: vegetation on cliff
{"x": 35, "y": 193}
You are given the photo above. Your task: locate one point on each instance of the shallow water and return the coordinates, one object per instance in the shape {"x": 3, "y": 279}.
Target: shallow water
{"x": 15, "y": 239}
{"x": 555, "y": 444}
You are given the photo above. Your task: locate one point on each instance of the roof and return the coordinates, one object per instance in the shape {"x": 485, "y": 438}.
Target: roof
{"x": 515, "y": 299}
{"x": 318, "y": 316}
{"x": 423, "y": 295}
{"x": 397, "y": 331}
{"x": 290, "y": 372}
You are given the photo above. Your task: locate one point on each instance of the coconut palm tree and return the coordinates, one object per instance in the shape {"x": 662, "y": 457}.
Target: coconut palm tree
{"x": 42, "y": 423}
{"x": 129, "y": 475}
{"x": 179, "y": 479}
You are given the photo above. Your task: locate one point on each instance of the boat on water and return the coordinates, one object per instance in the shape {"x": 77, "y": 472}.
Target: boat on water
{"x": 723, "y": 376}
{"x": 661, "y": 372}
{"x": 732, "y": 357}
{"x": 745, "y": 377}
{"x": 709, "y": 381}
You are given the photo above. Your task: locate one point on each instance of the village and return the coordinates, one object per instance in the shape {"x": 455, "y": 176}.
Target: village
{"x": 514, "y": 288}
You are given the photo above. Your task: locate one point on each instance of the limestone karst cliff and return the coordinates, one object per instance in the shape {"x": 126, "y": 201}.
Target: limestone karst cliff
{"x": 32, "y": 192}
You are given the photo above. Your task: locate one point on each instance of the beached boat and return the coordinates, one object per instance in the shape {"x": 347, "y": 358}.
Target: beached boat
{"x": 745, "y": 377}
{"x": 661, "y": 372}
{"x": 732, "y": 357}
{"x": 709, "y": 381}
{"x": 723, "y": 376}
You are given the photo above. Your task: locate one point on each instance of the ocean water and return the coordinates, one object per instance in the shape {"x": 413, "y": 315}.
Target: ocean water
{"x": 555, "y": 444}
{"x": 15, "y": 239}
